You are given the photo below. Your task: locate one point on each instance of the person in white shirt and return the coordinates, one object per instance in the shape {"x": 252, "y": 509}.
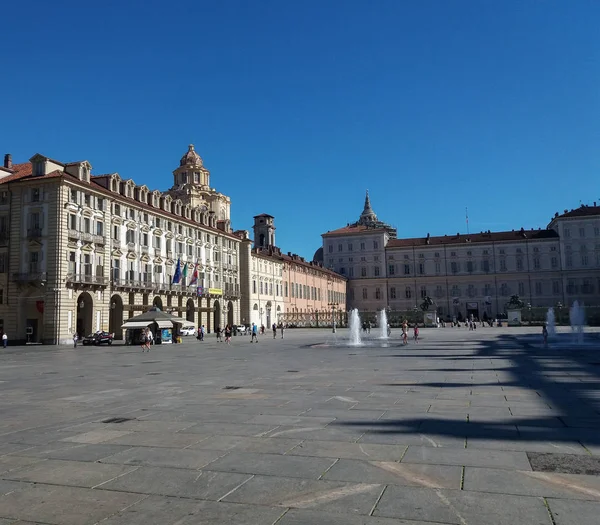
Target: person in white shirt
{"x": 4, "y": 340}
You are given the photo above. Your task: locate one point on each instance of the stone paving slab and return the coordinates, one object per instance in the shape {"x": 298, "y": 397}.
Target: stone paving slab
{"x": 341, "y": 449}
{"x": 311, "y": 517}
{"x": 59, "y": 505}
{"x": 470, "y": 457}
{"x": 327, "y": 496}
{"x": 162, "y": 481}
{"x": 390, "y": 472}
{"x": 163, "y": 457}
{"x": 460, "y": 507}
{"x": 569, "y": 512}
{"x": 72, "y": 451}
{"x": 71, "y": 473}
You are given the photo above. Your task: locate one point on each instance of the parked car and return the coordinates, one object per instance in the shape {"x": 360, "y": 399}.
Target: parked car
{"x": 98, "y": 338}
{"x": 241, "y": 329}
{"x": 188, "y": 330}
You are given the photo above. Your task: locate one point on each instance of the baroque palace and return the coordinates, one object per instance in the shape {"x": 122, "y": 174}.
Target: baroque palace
{"x": 468, "y": 274}
{"x": 82, "y": 252}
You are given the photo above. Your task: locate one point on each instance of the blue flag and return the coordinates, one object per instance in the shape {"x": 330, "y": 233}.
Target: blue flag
{"x": 177, "y": 276}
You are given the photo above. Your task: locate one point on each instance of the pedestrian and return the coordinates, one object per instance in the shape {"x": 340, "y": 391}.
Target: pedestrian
{"x": 545, "y": 336}
{"x": 218, "y": 332}
{"x": 274, "y": 330}
{"x": 202, "y": 332}
{"x": 282, "y": 328}
{"x": 228, "y": 334}
{"x": 150, "y": 339}
{"x": 262, "y": 329}
{"x": 368, "y": 327}
{"x": 75, "y": 338}
{"x": 405, "y": 332}
{"x": 143, "y": 340}
{"x": 254, "y": 333}
{"x": 416, "y": 333}
{"x": 199, "y": 334}
{"x": 4, "y": 339}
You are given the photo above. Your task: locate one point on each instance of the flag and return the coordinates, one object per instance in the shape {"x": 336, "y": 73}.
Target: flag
{"x": 177, "y": 276}
{"x": 194, "y": 276}
{"x": 184, "y": 274}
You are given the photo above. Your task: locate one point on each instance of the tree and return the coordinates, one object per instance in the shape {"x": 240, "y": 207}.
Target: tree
{"x": 427, "y": 302}
{"x": 515, "y": 302}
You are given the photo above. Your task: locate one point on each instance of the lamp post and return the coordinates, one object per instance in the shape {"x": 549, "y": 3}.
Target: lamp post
{"x": 529, "y": 312}
{"x": 225, "y": 314}
{"x": 261, "y": 312}
{"x": 333, "y": 306}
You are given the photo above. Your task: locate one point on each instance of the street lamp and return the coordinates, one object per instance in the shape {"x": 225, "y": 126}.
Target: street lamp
{"x": 333, "y": 306}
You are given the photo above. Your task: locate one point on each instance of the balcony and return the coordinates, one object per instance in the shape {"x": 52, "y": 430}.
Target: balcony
{"x": 34, "y": 233}
{"x": 30, "y": 277}
{"x": 86, "y": 279}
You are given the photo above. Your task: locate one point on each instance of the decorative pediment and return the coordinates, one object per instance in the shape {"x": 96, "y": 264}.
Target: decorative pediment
{"x": 117, "y": 253}
{"x": 145, "y": 258}
{"x": 87, "y": 212}
{"x": 145, "y": 228}
{"x": 170, "y": 262}
{"x": 34, "y": 244}
{"x": 72, "y": 245}
{"x": 87, "y": 248}
{"x": 169, "y": 235}
{"x": 132, "y": 225}
{"x": 117, "y": 220}
{"x": 158, "y": 232}
{"x": 158, "y": 260}
{"x": 131, "y": 256}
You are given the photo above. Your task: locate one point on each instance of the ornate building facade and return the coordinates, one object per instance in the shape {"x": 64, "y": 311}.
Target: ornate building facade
{"x": 285, "y": 288}
{"x": 473, "y": 274}
{"x": 80, "y": 253}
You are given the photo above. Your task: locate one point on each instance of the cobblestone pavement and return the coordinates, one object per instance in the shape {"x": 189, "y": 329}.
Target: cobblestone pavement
{"x": 479, "y": 428}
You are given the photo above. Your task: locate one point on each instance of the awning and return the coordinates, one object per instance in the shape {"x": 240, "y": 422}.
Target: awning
{"x": 164, "y": 324}
{"x": 179, "y": 320}
{"x": 137, "y": 324}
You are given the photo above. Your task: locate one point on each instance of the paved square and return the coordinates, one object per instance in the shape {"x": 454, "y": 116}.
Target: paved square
{"x": 484, "y": 427}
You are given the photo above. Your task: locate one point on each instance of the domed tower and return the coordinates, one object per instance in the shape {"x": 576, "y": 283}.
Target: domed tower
{"x": 191, "y": 170}
{"x": 264, "y": 231}
{"x": 368, "y": 216}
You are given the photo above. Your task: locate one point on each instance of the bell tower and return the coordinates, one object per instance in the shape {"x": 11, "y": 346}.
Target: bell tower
{"x": 264, "y": 231}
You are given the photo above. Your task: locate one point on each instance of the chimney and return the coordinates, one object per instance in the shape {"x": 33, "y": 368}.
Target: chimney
{"x": 8, "y": 161}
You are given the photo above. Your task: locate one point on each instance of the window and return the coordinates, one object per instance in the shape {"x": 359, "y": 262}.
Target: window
{"x": 519, "y": 263}
{"x": 376, "y": 271}
{"x": 34, "y": 258}
{"x": 377, "y": 293}
{"x": 538, "y": 288}
{"x": 421, "y": 268}
{"x": 363, "y": 272}
{"x": 485, "y": 252}
{"x": 504, "y": 291}
{"x": 285, "y": 288}
{"x": 455, "y": 291}
{"x": 452, "y": 254}
{"x": 391, "y": 269}
{"x": 438, "y": 268}
{"x": 144, "y": 239}
{"x": 470, "y": 266}
{"x": 487, "y": 290}
{"x": 407, "y": 269}
{"x": 340, "y": 248}
{"x": 393, "y": 292}
{"x": 485, "y": 265}
{"x": 423, "y": 292}
{"x": 519, "y": 250}
{"x": 596, "y": 231}
{"x": 330, "y": 247}
{"x": 454, "y": 267}
{"x": 1, "y": 296}
{"x": 569, "y": 261}
{"x": 501, "y": 251}
{"x": 72, "y": 221}
{"x": 99, "y": 228}
{"x": 343, "y": 270}
{"x": 502, "y": 265}
{"x": 471, "y": 291}
{"x": 87, "y": 225}
{"x": 554, "y": 262}
{"x": 567, "y": 232}
{"x": 521, "y": 288}
{"x": 3, "y": 197}
{"x": 536, "y": 263}
{"x": 362, "y": 245}
{"x": 35, "y": 195}
{"x": 375, "y": 245}
{"x": 115, "y": 232}
{"x": 100, "y": 203}
{"x": 407, "y": 292}
{"x": 581, "y": 232}
{"x": 350, "y": 247}
{"x": 87, "y": 200}
{"x": 2, "y": 262}
{"x": 364, "y": 294}
{"x": 350, "y": 272}
{"x": 556, "y": 287}
{"x": 439, "y": 291}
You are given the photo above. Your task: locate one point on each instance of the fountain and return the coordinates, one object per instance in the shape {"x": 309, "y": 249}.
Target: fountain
{"x": 551, "y": 323}
{"x": 577, "y": 319}
{"x": 383, "y": 323}
{"x": 354, "y": 326}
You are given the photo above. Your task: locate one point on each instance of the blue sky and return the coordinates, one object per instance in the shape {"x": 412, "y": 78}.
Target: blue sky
{"x": 298, "y": 107}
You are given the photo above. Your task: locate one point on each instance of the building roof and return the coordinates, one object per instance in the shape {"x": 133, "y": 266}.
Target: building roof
{"x": 474, "y": 238}
{"x": 264, "y": 215}
{"x": 349, "y": 230}
{"x": 275, "y": 253}
{"x": 19, "y": 171}
{"x": 583, "y": 211}
{"x": 191, "y": 157}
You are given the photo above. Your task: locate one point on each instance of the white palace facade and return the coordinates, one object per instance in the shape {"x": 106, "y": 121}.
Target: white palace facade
{"x": 468, "y": 274}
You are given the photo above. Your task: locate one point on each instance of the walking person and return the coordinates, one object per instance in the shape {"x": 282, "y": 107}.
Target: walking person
{"x": 75, "y": 339}
{"x": 218, "y": 332}
{"x": 150, "y": 339}
{"x": 202, "y": 332}
{"x": 416, "y": 333}
{"x": 405, "y": 332}
{"x": 254, "y": 333}
{"x": 274, "y": 330}
{"x": 545, "y": 336}
{"x": 4, "y": 340}
{"x": 228, "y": 334}
{"x": 282, "y": 328}
{"x": 199, "y": 334}
{"x": 143, "y": 340}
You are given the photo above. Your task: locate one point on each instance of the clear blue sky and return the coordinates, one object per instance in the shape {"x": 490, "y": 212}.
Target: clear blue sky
{"x": 297, "y": 107}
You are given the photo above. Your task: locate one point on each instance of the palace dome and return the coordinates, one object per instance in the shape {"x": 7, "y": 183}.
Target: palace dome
{"x": 191, "y": 157}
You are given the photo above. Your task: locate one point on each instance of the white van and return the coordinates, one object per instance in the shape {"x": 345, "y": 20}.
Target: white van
{"x": 188, "y": 330}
